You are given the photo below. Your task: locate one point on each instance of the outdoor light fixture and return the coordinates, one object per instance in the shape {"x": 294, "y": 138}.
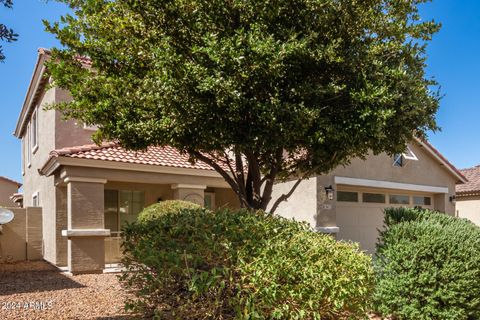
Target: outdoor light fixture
{"x": 329, "y": 191}
{"x": 453, "y": 198}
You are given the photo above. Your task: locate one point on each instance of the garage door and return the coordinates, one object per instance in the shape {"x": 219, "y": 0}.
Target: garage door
{"x": 360, "y": 212}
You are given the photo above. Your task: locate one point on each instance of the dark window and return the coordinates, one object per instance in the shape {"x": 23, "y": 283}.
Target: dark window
{"x": 346, "y": 196}
{"x": 422, "y": 201}
{"x": 399, "y": 199}
{"x": 373, "y": 198}
{"x": 398, "y": 160}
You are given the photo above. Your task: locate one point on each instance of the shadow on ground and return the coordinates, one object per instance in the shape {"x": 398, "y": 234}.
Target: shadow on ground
{"x": 38, "y": 277}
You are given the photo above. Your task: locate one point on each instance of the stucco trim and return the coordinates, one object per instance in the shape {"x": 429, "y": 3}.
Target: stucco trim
{"x": 86, "y": 233}
{"x": 84, "y": 179}
{"x": 389, "y": 185}
{"x": 188, "y": 186}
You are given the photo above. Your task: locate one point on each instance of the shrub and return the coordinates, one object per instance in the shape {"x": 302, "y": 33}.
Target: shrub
{"x": 158, "y": 210}
{"x": 428, "y": 266}
{"x": 198, "y": 264}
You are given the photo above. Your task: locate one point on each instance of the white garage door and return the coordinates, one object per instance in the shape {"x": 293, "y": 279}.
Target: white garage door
{"x": 360, "y": 212}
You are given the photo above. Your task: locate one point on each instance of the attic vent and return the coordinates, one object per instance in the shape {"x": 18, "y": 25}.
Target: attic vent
{"x": 401, "y": 159}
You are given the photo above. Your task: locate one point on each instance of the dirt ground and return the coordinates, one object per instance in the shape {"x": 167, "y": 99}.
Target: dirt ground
{"x": 36, "y": 290}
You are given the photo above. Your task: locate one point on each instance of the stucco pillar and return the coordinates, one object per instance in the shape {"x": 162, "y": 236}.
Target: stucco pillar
{"x": 189, "y": 192}
{"x": 86, "y": 229}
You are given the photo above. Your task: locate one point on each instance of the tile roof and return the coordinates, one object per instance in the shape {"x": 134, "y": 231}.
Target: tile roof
{"x": 12, "y": 181}
{"x": 156, "y": 156}
{"x": 473, "y": 184}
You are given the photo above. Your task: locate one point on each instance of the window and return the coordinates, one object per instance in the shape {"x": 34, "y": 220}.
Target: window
{"x": 28, "y": 150}
{"x": 35, "y": 200}
{"x": 209, "y": 200}
{"x": 346, "y": 196}
{"x": 34, "y": 133}
{"x": 373, "y": 198}
{"x": 398, "y": 160}
{"x": 122, "y": 206}
{"x": 23, "y": 155}
{"x": 422, "y": 201}
{"x": 399, "y": 199}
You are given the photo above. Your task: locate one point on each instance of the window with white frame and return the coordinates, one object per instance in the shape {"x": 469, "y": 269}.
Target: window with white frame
{"x": 28, "y": 145}
{"x": 23, "y": 155}
{"x": 34, "y": 127}
{"x": 36, "y": 200}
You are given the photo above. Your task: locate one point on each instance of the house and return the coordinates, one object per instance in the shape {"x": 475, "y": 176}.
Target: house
{"x": 468, "y": 196}
{"x": 8, "y": 188}
{"x": 349, "y": 201}
{"x": 87, "y": 191}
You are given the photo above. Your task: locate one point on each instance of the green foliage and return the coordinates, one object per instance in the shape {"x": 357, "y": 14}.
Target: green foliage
{"x": 158, "y": 210}
{"x": 290, "y": 86}
{"x": 6, "y": 34}
{"x": 199, "y": 264}
{"x": 428, "y": 266}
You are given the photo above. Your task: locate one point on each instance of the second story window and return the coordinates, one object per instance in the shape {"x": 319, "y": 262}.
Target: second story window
{"x": 34, "y": 133}
{"x": 28, "y": 146}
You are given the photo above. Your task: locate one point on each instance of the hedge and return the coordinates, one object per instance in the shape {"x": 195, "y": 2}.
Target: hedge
{"x": 199, "y": 264}
{"x": 428, "y": 266}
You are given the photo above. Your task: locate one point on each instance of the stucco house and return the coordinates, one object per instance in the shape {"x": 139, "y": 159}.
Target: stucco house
{"x": 86, "y": 191}
{"x": 8, "y": 188}
{"x": 468, "y": 196}
{"x": 349, "y": 201}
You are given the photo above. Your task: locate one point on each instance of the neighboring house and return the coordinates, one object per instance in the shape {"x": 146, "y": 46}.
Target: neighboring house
{"x": 468, "y": 196}
{"x": 8, "y": 188}
{"x": 361, "y": 191}
{"x": 86, "y": 192}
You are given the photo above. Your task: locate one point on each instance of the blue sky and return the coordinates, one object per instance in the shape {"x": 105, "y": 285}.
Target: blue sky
{"x": 453, "y": 61}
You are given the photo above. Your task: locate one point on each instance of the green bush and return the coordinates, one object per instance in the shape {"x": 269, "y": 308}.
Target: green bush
{"x": 428, "y": 266}
{"x": 158, "y": 210}
{"x": 199, "y": 264}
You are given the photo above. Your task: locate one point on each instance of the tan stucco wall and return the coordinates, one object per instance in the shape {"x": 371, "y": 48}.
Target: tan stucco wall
{"x": 21, "y": 239}
{"x": 7, "y": 189}
{"x": 302, "y": 205}
{"x": 308, "y": 203}
{"x": 425, "y": 171}
{"x": 469, "y": 208}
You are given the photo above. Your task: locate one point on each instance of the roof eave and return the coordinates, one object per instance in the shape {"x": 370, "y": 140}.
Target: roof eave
{"x": 436, "y": 154}
{"x": 33, "y": 87}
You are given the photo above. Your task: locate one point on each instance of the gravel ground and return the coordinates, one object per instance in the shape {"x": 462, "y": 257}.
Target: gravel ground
{"x": 36, "y": 290}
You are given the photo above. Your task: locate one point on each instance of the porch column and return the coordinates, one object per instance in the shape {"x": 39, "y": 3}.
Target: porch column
{"x": 189, "y": 192}
{"x": 86, "y": 229}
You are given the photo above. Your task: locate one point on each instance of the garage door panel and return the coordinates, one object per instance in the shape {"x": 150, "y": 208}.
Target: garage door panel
{"x": 361, "y": 222}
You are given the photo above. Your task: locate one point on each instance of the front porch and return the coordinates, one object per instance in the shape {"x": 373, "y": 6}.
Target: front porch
{"x": 93, "y": 203}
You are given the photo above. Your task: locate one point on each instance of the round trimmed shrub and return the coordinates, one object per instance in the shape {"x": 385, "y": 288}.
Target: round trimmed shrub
{"x": 158, "y": 210}
{"x": 428, "y": 267}
{"x": 199, "y": 264}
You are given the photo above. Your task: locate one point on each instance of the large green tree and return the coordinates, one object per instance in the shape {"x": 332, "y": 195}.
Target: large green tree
{"x": 6, "y": 34}
{"x": 272, "y": 89}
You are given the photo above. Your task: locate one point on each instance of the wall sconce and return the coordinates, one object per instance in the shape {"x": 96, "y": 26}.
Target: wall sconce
{"x": 453, "y": 198}
{"x": 329, "y": 191}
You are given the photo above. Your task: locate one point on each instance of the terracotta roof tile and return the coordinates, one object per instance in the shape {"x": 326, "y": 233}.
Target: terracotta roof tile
{"x": 473, "y": 184}
{"x": 156, "y": 156}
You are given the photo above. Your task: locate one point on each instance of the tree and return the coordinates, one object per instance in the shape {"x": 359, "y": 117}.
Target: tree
{"x": 6, "y": 34}
{"x": 269, "y": 89}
